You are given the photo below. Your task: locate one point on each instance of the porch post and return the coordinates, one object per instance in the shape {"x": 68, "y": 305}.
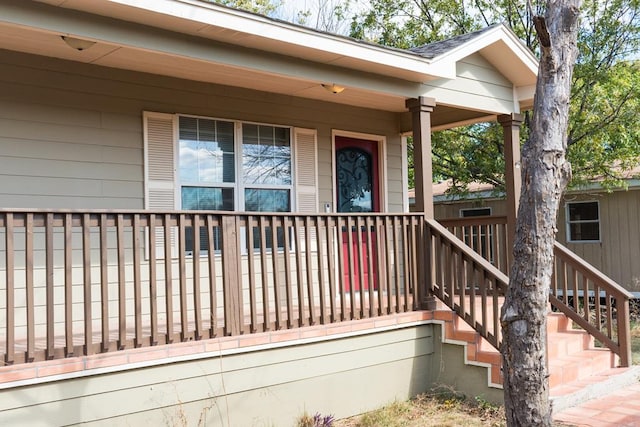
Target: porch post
{"x": 513, "y": 175}
{"x": 421, "y": 109}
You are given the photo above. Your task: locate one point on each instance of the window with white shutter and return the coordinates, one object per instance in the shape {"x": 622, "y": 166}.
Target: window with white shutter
{"x": 197, "y": 163}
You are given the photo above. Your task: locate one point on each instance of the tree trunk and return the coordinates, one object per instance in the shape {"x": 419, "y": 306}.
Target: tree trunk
{"x": 545, "y": 174}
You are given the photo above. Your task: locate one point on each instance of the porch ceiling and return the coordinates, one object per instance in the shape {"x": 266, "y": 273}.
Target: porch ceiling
{"x": 213, "y": 46}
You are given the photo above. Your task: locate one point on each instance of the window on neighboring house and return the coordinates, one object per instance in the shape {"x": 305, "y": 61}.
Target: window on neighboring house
{"x": 583, "y": 221}
{"x": 479, "y": 237}
{"x": 207, "y": 161}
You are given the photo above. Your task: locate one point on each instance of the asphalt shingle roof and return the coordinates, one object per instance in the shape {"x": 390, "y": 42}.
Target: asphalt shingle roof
{"x": 435, "y": 49}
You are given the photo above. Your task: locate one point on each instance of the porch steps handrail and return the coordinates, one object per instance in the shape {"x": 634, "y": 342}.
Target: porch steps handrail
{"x": 605, "y": 318}
{"x": 466, "y": 282}
{"x": 608, "y": 319}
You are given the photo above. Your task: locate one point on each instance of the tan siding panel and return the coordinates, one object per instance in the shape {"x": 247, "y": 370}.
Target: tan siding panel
{"x": 88, "y": 114}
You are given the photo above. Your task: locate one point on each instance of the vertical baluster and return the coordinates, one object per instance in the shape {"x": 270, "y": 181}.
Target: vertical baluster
{"x": 331, "y": 268}
{"x": 341, "y": 267}
{"x": 104, "y": 284}
{"x": 565, "y": 282}
{"x": 86, "y": 267}
{"x": 168, "y": 277}
{"x": 266, "y": 310}
{"x": 361, "y": 266}
{"x": 483, "y": 298}
{"x": 213, "y": 290}
{"x": 122, "y": 315}
{"x": 585, "y": 296}
{"x": 252, "y": 274}
{"x": 407, "y": 261}
{"x": 371, "y": 267}
{"x": 277, "y": 294}
{"x": 397, "y": 257}
{"x": 496, "y": 311}
{"x": 380, "y": 260}
{"x": 137, "y": 281}
{"x": 49, "y": 287}
{"x": 68, "y": 285}
{"x": 309, "y": 267}
{"x": 153, "y": 278}
{"x": 182, "y": 278}
{"x": 576, "y": 295}
{"x": 472, "y": 292}
{"x": 286, "y": 253}
{"x": 352, "y": 270}
{"x": 31, "y": 340}
{"x": 197, "y": 304}
{"x": 463, "y": 280}
{"x": 10, "y": 291}
{"x": 389, "y": 264}
{"x": 597, "y": 305}
{"x": 299, "y": 276}
{"x": 319, "y": 232}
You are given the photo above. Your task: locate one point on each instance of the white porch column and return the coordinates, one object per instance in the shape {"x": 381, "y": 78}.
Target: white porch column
{"x": 513, "y": 175}
{"x": 421, "y": 109}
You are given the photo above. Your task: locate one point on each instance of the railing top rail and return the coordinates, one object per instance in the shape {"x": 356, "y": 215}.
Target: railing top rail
{"x": 476, "y": 257}
{"x": 473, "y": 220}
{"x": 602, "y": 279}
{"x": 201, "y": 212}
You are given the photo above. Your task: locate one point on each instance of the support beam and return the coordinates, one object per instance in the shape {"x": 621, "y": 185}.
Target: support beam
{"x": 421, "y": 109}
{"x": 513, "y": 175}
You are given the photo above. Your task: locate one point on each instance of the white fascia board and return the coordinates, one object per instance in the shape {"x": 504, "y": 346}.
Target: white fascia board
{"x": 243, "y": 22}
{"x": 446, "y": 63}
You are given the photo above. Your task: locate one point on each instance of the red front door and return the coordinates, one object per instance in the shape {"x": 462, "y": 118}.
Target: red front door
{"x": 357, "y": 188}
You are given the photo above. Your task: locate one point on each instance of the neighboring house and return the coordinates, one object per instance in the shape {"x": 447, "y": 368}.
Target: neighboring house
{"x": 203, "y": 215}
{"x": 602, "y": 227}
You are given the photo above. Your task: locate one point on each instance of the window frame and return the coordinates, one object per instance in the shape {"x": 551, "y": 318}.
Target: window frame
{"x": 239, "y": 186}
{"x": 463, "y": 210}
{"x": 569, "y": 222}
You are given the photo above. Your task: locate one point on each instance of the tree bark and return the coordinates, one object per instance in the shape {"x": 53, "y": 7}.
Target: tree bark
{"x": 545, "y": 174}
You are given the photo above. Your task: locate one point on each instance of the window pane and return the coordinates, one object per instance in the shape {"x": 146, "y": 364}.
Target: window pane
{"x": 205, "y": 198}
{"x": 468, "y": 213}
{"x": 266, "y": 155}
{"x": 585, "y": 231}
{"x": 259, "y": 200}
{"x": 206, "y": 151}
{"x": 583, "y": 211}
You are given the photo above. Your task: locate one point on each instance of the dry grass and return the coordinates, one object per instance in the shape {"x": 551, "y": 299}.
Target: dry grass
{"x": 443, "y": 410}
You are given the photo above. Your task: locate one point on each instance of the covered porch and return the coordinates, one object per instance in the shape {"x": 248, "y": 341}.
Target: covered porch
{"x": 115, "y": 241}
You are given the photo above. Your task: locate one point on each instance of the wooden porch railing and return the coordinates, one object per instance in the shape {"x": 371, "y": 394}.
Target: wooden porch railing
{"x": 487, "y": 235}
{"x": 593, "y": 301}
{"x": 466, "y": 282}
{"x": 585, "y": 295}
{"x": 82, "y": 282}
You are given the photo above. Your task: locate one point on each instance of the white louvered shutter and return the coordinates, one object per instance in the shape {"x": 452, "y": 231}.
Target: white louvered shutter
{"x": 306, "y": 178}
{"x": 306, "y": 170}
{"x": 160, "y": 172}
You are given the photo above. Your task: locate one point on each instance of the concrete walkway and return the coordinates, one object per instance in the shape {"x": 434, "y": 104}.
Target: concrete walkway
{"x": 620, "y": 408}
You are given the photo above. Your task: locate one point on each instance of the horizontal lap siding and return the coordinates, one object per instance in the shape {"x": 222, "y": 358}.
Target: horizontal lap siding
{"x": 71, "y": 134}
{"x": 478, "y": 84}
{"x": 617, "y": 254}
{"x": 269, "y": 387}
